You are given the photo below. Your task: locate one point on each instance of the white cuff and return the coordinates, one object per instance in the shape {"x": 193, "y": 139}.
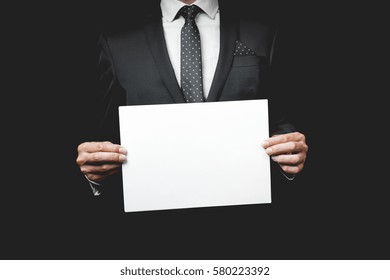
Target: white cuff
{"x": 94, "y": 186}
{"x": 289, "y": 177}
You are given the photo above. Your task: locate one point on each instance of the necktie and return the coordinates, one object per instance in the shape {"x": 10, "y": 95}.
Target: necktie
{"x": 191, "y": 59}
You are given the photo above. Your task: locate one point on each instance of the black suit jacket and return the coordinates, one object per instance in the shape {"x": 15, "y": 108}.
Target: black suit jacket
{"x": 134, "y": 69}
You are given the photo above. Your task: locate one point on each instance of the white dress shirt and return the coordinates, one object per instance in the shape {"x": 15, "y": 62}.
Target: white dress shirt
{"x": 208, "y": 25}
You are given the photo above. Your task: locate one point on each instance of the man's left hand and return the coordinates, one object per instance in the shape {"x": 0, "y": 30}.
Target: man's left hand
{"x": 288, "y": 150}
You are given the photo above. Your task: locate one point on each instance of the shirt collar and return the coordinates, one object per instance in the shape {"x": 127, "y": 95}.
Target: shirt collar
{"x": 169, "y": 8}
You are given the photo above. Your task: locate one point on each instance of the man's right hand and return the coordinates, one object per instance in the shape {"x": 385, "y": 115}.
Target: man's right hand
{"x": 97, "y": 160}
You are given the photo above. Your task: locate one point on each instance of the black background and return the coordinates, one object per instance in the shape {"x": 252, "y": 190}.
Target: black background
{"x": 335, "y": 209}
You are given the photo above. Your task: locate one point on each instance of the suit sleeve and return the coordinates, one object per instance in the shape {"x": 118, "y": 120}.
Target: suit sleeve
{"x": 108, "y": 97}
{"x": 110, "y": 93}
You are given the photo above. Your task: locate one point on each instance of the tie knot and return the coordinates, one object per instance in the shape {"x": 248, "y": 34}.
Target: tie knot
{"x": 189, "y": 12}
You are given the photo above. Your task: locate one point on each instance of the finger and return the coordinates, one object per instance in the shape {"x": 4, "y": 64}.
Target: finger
{"x": 283, "y": 138}
{"x": 92, "y": 147}
{"x": 286, "y": 148}
{"x": 99, "y": 169}
{"x": 104, "y": 157}
{"x": 289, "y": 159}
{"x": 99, "y": 177}
{"x": 292, "y": 169}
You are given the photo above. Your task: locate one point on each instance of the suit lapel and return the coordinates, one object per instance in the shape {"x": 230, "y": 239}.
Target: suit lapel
{"x": 156, "y": 41}
{"x": 228, "y": 35}
{"x": 155, "y": 37}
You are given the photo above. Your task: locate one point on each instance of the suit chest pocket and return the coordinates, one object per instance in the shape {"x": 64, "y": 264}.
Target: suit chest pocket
{"x": 249, "y": 61}
{"x": 245, "y": 78}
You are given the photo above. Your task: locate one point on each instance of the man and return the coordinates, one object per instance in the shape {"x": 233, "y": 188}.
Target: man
{"x": 142, "y": 65}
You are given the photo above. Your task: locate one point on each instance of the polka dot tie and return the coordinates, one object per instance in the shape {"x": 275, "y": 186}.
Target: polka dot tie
{"x": 191, "y": 59}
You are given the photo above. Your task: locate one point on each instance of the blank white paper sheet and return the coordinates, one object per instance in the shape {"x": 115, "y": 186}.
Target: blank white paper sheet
{"x": 191, "y": 155}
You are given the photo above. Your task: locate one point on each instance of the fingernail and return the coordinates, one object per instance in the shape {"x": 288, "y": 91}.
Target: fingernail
{"x": 122, "y": 158}
{"x": 265, "y": 144}
{"x": 123, "y": 151}
{"x": 273, "y": 158}
{"x": 268, "y": 151}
